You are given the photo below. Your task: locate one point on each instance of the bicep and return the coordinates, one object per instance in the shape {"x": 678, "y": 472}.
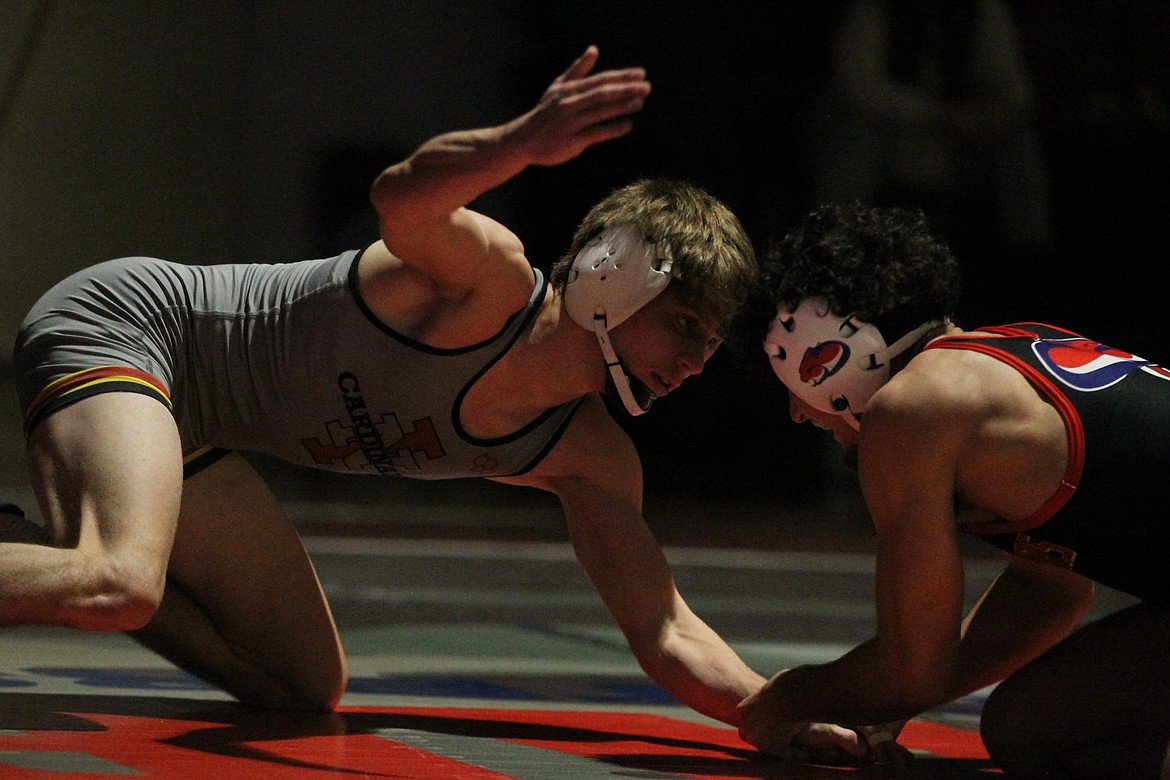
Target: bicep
{"x": 462, "y": 252}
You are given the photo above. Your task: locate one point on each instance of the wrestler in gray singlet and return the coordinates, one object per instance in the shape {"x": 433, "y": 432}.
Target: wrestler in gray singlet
{"x": 281, "y": 359}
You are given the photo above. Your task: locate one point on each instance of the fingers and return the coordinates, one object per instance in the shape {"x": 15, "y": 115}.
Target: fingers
{"x": 883, "y": 747}
{"x": 579, "y": 114}
{"x": 604, "y": 101}
{"x": 824, "y": 743}
{"x": 603, "y": 114}
{"x": 580, "y": 109}
{"x": 577, "y": 79}
{"x": 830, "y": 737}
{"x": 604, "y": 132}
{"x": 599, "y": 98}
{"x": 581, "y": 66}
{"x": 632, "y": 80}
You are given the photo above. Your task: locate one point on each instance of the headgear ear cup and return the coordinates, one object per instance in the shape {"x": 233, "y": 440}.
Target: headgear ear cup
{"x": 615, "y": 274}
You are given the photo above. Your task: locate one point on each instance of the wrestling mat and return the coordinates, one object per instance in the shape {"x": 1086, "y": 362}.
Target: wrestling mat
{"x": 468, "y": 660}
{"x": 180, "y": 739}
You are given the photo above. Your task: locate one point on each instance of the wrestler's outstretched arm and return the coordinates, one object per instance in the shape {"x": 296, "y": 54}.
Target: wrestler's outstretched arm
{"x": 421, "y": 201}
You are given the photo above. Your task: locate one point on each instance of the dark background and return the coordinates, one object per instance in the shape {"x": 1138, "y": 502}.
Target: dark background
{"x": 251, "y": 130}
{"x": 732, "y": 86}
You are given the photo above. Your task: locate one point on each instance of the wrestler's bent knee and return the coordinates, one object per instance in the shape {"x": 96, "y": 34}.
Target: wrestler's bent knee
{"x": 1008, "y": 740}
{"x": 320, "y": 694}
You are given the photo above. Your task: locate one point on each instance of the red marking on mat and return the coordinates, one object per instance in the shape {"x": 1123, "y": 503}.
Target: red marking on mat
{"x": 940, "y": 740}
{"x": 230, "y": 742}
{"x": 654, "y": 734}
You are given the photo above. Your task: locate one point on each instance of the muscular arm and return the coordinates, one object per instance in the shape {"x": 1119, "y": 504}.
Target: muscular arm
{"x": 907, "y": 458}
{"x": 1025, "y": 611}
{"x": 927, "y": 427}
{"x": 595, "y": 472}
{"x": 912, "y": 435}
{"x": 421, "y": 201}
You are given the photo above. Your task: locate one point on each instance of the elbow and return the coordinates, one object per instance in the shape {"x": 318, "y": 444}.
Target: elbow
{"x": 651, "y": 650}
{"x": 382, "y": 192}
{"x": 386, "y": 189}
{"x": 402, "y": 209}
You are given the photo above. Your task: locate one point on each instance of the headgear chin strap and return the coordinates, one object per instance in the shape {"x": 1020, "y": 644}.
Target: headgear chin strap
{"x": 616, "y": 273}
{"x": 636, "y": 397}
{"x": 834, "y": 363}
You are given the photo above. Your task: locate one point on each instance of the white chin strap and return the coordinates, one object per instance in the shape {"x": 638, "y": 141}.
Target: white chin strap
{"x": 617, "y": 374}
{"x": 882, "y": 358}
{"x": 901, "y": 345}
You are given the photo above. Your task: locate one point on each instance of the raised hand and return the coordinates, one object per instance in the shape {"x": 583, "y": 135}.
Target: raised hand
{"x": 580, "y": 108}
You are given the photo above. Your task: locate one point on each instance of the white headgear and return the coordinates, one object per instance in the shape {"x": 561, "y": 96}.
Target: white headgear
{"x": 615, "y": 274}
{"x": 832, "y": 362}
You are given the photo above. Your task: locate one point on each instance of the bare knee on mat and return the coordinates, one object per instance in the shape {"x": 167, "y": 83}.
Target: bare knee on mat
{"x": 998, "y": 727}
{"x": 315, "y": 693}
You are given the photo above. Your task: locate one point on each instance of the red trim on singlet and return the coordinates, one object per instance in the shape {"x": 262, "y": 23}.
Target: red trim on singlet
{"x": 1072, "y": 424}
{"x": 91, "y": 381}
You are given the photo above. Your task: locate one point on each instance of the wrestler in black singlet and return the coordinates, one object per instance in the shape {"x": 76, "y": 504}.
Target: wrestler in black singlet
{"x": 1108, "y": 522}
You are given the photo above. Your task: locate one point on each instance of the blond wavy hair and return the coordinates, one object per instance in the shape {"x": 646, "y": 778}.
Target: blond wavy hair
{"x": 714, "y": 262}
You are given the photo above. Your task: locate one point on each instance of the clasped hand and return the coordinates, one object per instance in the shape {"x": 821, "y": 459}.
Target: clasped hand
{"x": 826, "y": 743}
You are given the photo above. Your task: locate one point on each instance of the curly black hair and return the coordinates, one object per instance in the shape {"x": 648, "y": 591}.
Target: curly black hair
{"x": 863, "y": 260}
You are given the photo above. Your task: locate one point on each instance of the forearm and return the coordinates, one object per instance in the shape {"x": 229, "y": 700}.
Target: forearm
{"x": 1021, "y": 615}
{"x": 856, "y": 689}
{"x": 447, "y": 172}
{"x": 622, "y": 559}
{"x": 698, "y": 668}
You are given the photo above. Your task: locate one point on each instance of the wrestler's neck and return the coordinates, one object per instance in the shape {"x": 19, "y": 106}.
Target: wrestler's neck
{"x": 554, "y": 361}
{"x": 950, "y": 329}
